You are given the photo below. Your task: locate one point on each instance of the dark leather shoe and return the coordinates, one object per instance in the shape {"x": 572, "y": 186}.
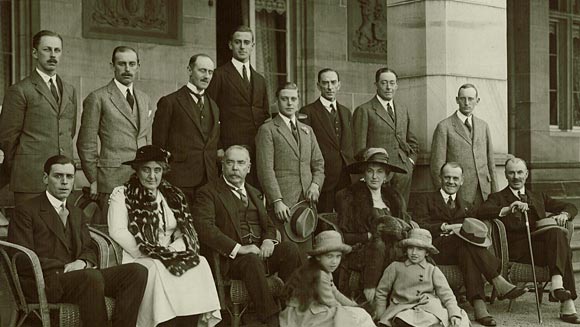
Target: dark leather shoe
{"x": 515, "y": 292}
{"x": 561, "y": 295}
{"x": 571, "y": 319}
{"x": 486, "y": 321}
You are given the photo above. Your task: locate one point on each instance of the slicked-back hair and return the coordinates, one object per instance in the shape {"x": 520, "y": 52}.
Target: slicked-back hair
{"x": 123, "y": 48}
{"x": 326, "y": 70}
{"x": 36, "y": 38}
{"x": 238, "y": 147}
{"x": 516, "y": 160}
{"x": 193, "y": 58}
{"x": 288, "y": 86}
{"x": 451, "y": 164}
{"x": 383, "y": 70}
{"x": 242, "y": 29}
{"x": 57, "y": 160}
{"x": 468, "y": 86}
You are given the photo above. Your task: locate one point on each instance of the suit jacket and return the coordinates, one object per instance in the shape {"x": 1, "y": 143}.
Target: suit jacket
{"x": 431, "y": 212}
{"x": 451, "y": 142}
{"x": 33, "y": 128}
{"x": 242, "y": 111}
{"x": 285, "y": 168}
{"x": 177, "y": 128}
{"x": 107, "y": 118}
{"x": 337, "y": 153}
{"x": 373, "y": 127}
{"x": 36, "y": 227}
{"x": 217, "y": 222}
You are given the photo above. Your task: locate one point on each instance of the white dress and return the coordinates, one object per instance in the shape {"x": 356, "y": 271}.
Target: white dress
{"x": 166, "y": 295}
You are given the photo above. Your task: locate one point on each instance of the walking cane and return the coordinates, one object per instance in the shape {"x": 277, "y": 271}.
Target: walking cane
{"x": 533, "y": 267}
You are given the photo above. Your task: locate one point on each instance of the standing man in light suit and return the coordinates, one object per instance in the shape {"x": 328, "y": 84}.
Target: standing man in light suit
{"x": 38, "y": 120}
{"x": 120, "y": 117}
{"x": 383, "y": 122}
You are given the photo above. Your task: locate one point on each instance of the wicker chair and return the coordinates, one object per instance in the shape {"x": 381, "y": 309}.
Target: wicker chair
{"x": 68, "y": 313}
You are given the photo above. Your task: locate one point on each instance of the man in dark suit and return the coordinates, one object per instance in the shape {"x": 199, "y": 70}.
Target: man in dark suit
{"x": 384, "y": 123}
{"x": 232, "y": 220}
{"x": 550, "y": 245}
{"x": 187, "y": 125}
{"x": 38, "y": 119}
{"x": 443, "y": 213}
{"x": 241, "y": 95}
{"x": 56, "y": 231}
{"x": 120, "y": 117}
{"x": 332, "y": 124}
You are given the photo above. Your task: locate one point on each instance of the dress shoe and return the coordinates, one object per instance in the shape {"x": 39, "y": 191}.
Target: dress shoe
{"x": 561, "y": 294}
{"x": 515, "y": 292}
{"x": 486, "y": 321}
{"x": 571, "y": 318}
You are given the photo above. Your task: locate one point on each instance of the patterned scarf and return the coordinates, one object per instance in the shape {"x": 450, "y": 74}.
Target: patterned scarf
{"x": 144, "y": 214}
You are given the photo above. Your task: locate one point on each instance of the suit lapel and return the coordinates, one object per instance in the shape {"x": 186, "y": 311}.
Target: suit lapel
{"x": 187, "y": 105}
{"x": 42, "y": 88}
{"x": 381, "y": 112}
{"x": 238, "y": 82}
{"x": 228, "y": 200}
{"x": 75, "y": 221}
{"x": 52, "y": 220}
{"x": 322, "y": 114}
{"x": 120, "y": 102}
{"x": 459, "y": 129}
{"x": 143, "y": 107}
{"x": 442, "y": 206}
{"x": 462, "y": 207}
{"x": 400, "y": 114}
{"x": 287, "y": 134}
{"x": 215, "y": 114}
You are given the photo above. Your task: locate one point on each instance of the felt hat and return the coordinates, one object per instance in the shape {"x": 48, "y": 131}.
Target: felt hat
{"x": 328, "y": 241}
{"x": 421, "y": 238}
{"x": 302, "y": 223}
{"x": 545, "y": 224}
{"x": 150, "y": 153}
{"x": 473, "y": 231}
{"x": 373, "y": 155}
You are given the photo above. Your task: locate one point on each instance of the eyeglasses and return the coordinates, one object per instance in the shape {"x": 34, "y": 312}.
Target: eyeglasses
{"x": 389, "y": 83}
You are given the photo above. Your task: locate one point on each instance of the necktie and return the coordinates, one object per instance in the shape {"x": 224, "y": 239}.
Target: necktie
{"x": 54, "y": 91}
{"x": 242, "y": 195}
{"x": 294, "y": 131}
{"x": 199, "y": 98}
{"x": 391, "y": 111}
{"x": 468, "y": 125}
{"x": 451, "y": 203}
{"x": 245, "y": 76}
{"x": 130, "y": 99}
{"x": 63, "y": 213}
{"x": 333, "y": 111}
{"x": 523, "y": 197}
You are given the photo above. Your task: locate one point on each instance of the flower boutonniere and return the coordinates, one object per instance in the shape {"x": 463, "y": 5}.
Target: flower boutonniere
{"x": 304, "y": 129}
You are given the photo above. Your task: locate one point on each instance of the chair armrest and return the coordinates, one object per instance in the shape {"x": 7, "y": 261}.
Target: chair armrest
{"x": 103, "y": 249}
{"x": 109, "y": 250}
{"x": 220, "y": 282}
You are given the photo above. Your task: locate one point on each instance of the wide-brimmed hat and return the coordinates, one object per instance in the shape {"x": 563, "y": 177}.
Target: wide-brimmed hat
{"x": 421, "y": 238}
{"x": 150, "y": 153}
{"x": 473, "y": 231}
{"x": 373, "y": 155}
{"x": 328, "y": 241}
{"x": 545, "y": 224}
{"x": 302, "y": 223}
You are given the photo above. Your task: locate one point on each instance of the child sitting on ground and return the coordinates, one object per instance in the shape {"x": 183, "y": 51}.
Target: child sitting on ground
{"x": 313, "y": 300}
{"x": 416, "y": 291}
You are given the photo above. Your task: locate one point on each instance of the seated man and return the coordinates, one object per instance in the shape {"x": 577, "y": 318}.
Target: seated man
{"x": 56, "y": 232}
{"x": 462, "y": 241}
{"x": 231, "y": 218}
{"x": 550, "y": 245}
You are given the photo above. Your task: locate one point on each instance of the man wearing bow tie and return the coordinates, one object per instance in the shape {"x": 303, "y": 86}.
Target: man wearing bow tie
{"x": 187, "y": 125}
{"x": 550, "y": 245}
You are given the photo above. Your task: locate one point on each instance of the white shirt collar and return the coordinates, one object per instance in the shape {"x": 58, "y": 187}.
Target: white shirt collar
{"x": 233, "y": 187}
{"x": 287, "y": 121}
{"x": 516, "y": 192}
{"x": 463, "y": 117}
{"x": 46, "y": 78}
{"x": 384, "y": 102}
{"x": 124, "y": 88}
{"x": 238, "y": 64}
{"x": 327, "y": 103}
{"x": 194, "y": 88}
{"x": 56, "y": 203}
{"x": 446, "y": 196}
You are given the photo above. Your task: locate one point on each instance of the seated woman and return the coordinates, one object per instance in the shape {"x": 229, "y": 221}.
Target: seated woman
{"x": 372, "y": 217}
{"x": 151, "y": 221}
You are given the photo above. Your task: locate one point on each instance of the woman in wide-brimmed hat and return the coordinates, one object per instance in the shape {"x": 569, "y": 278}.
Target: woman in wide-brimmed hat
{"x": 150, "y": 219}
{"x": 373, "y": 217}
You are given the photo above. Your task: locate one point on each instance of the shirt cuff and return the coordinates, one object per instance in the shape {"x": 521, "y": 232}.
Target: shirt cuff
{"x": 273, "y": 241}
{"x": 412, "y": 161}
{"x": 504, "y": 211}
{"x": 235, "y": 251}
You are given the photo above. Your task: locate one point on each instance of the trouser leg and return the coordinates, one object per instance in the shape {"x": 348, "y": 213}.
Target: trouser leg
{"x": 285, "y": 259}
{"x": 126, "y": 283}
{"x": 86, "y": 288}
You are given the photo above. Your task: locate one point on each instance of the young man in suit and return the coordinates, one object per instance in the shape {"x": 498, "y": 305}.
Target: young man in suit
{"x": 56, "y": 231}
{"x": 443, "y": 213}
{"x": 466, "y": 139}
{"x": 38, "y": 119}
{"x": 290, "y": 164}
{"x": 332, "y": 124}
{"x": 187, "y": 125}
{"x": 550, "y": 245}
{"x": 232, "y": 220}
{"x": 120, "y": 117}
{"x": 241, "y": 94}
{"x": 385, "y": 123}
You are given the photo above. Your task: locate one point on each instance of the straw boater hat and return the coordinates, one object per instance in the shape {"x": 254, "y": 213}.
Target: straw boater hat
{"x": 302, "y": 223}
{"x": 421, "y": 238}
{"x": 373, "y": 155}
{"x": 473, "y": 231}
{"x": 328, "y": 241}
{"x": 150, "y": 153}
{"x": 545, "y": 224}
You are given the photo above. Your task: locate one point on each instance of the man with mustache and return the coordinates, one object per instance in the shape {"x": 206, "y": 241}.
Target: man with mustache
{"x": 38, "y": 120}
{"x": 466, "y": 139}
{"x": 120, "y": 117}
{"x": 444, "y": 213}
{"x": 549, "y": 243}
{"x": 187, "y": 125}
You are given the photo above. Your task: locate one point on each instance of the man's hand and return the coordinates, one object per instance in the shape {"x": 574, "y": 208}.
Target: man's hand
{"x": 281, "y": 211}
{"x": 266, "y": 249}
{"x": 450, "y": 227}
{"x": 75, "y": 265}
{"x": 313, "y": 193}
{"x": 561, "y": 219}
{"x": 249, "y": 249}
{"x": 455, "y": 321}
{"x": 519, "y": 206}
{"x": 94, "y": 193}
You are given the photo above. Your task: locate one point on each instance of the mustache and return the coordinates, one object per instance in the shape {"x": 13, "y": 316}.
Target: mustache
{"x": 52, "y": 61}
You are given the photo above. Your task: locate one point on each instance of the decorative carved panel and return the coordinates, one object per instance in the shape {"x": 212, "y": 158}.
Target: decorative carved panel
{"x": 367, "y": 30}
